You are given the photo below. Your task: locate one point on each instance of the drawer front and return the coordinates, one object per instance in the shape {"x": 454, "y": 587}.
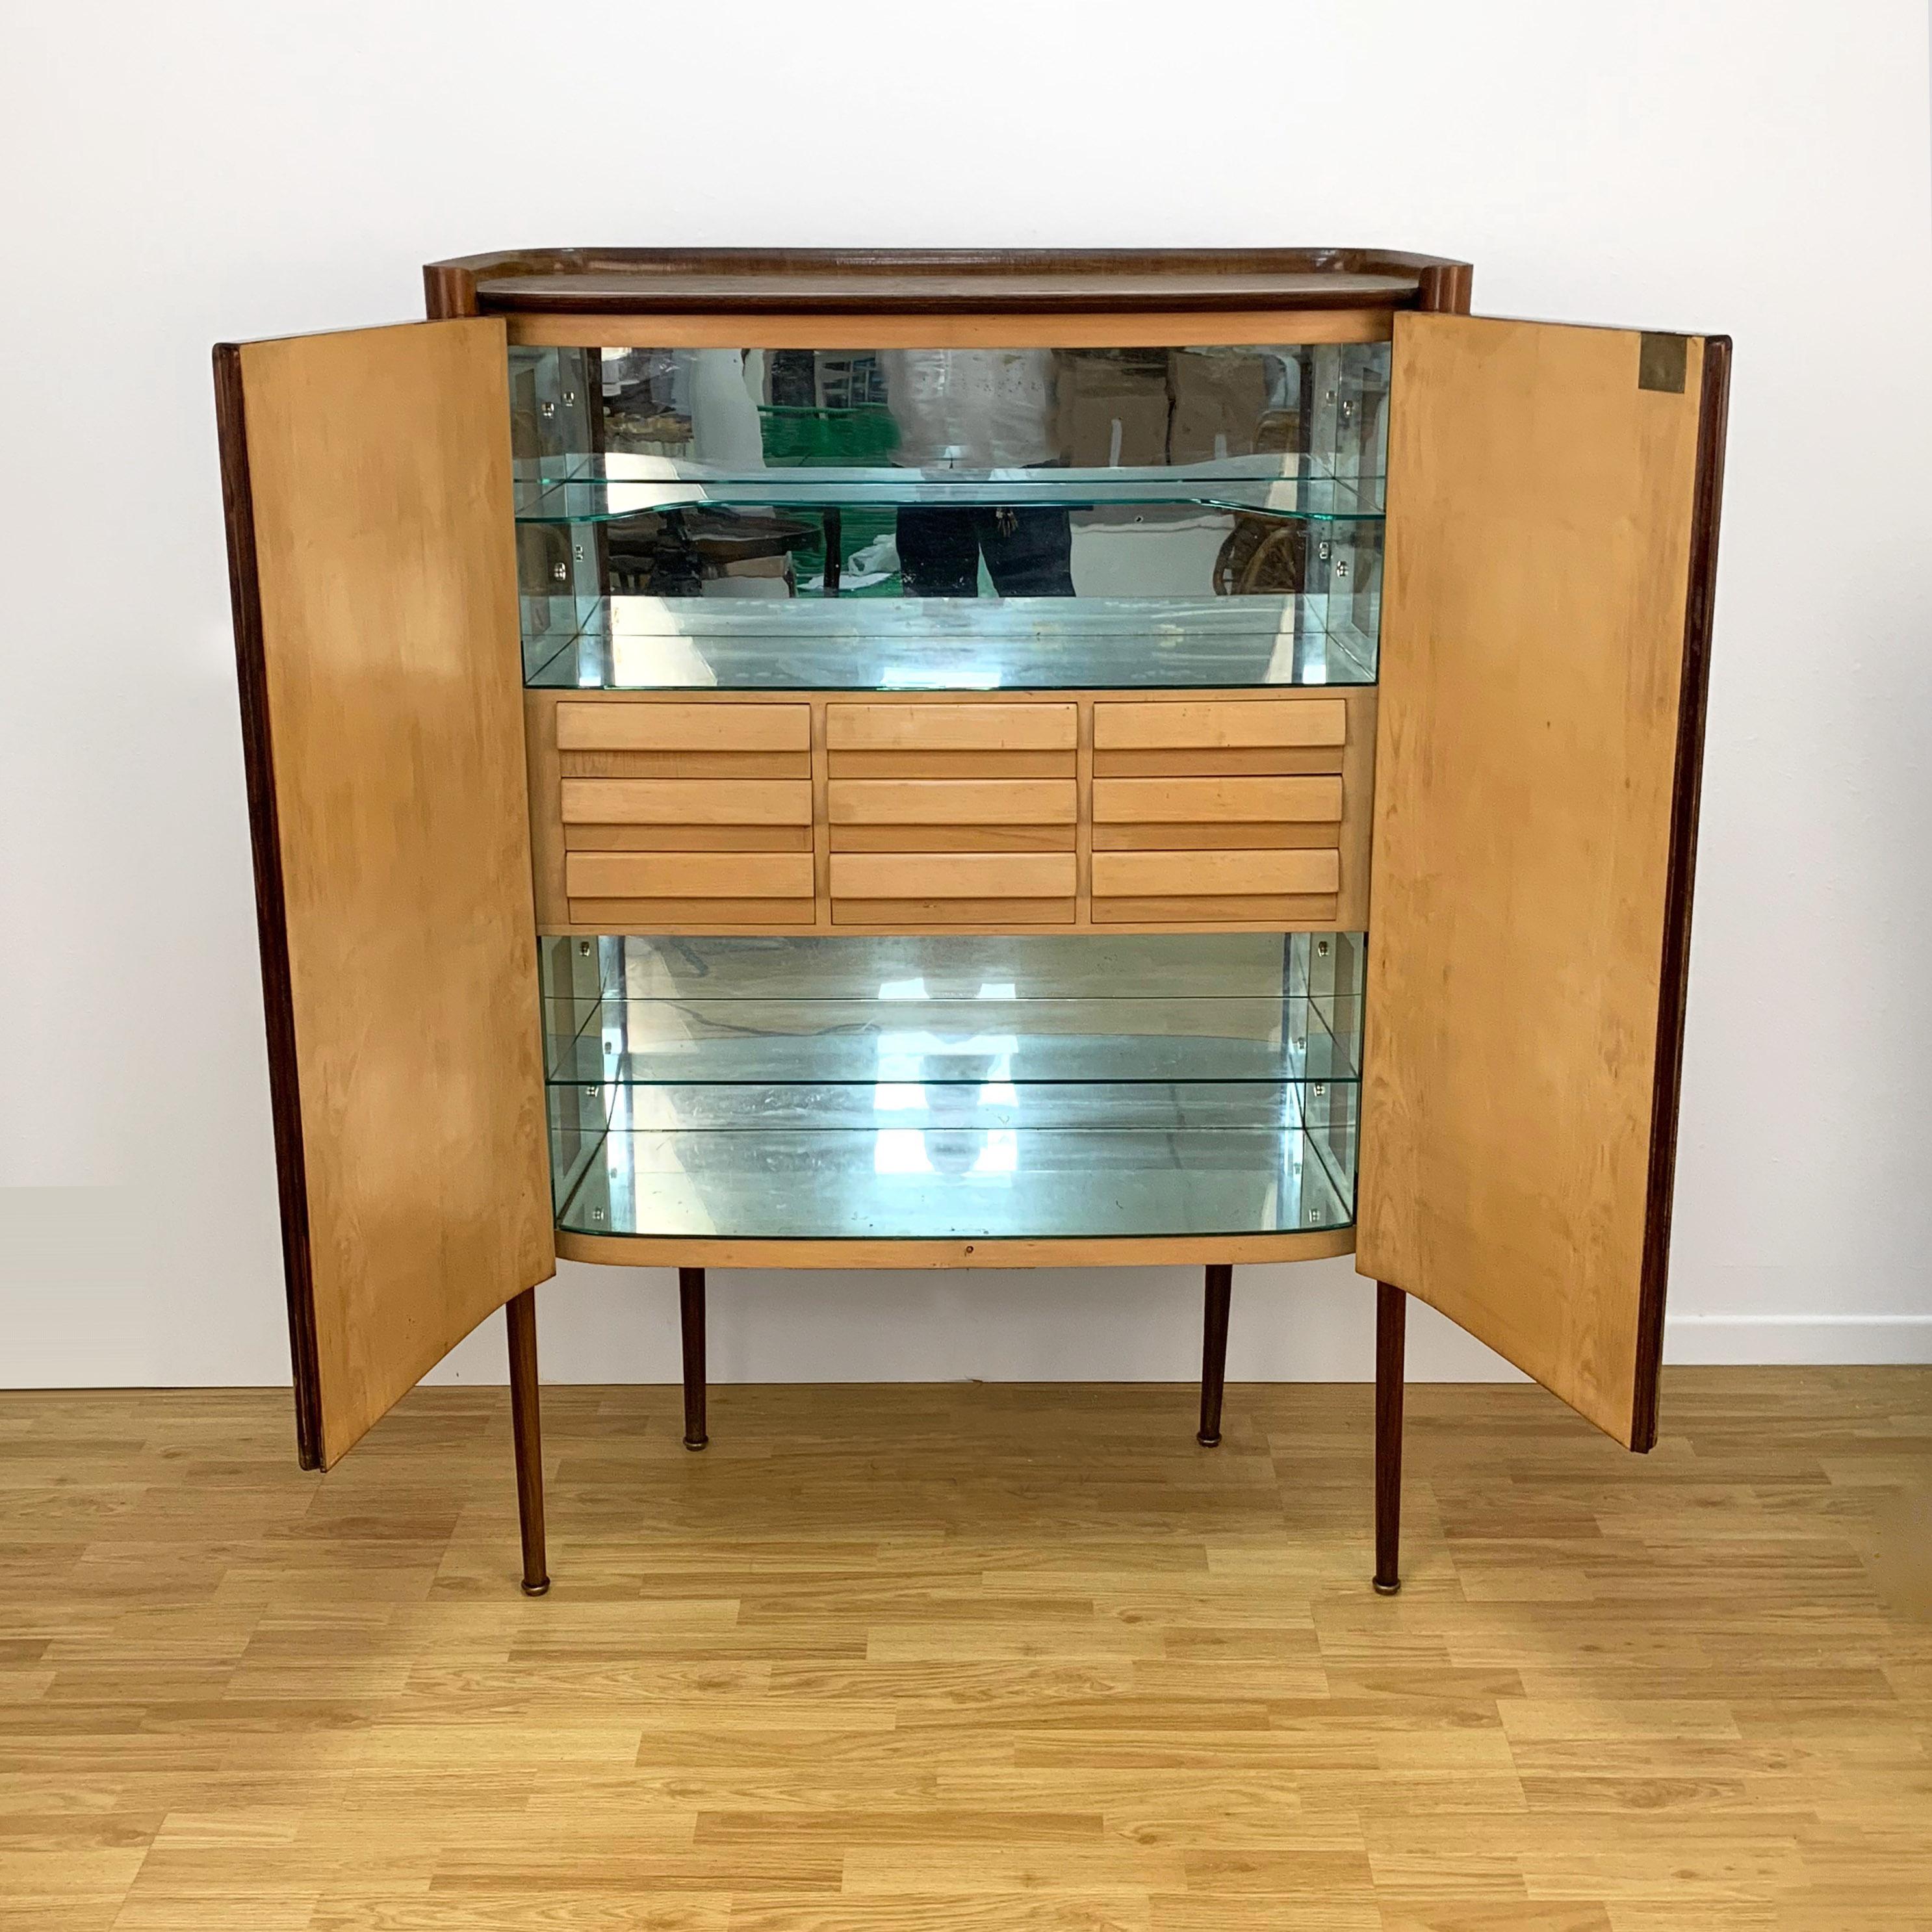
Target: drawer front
{"x": 1266, "y": 723}
{"x": 689, "y": 875}
{"x": 1211, "y": 887}
{"x": 952, "y": 727}
{"x": 687, "y": 802}
{"x": 953, "y": 888}
{"x": 705, "y": 727}
{"x": 1218, "y": 801}
{"x": 667, "y": 892}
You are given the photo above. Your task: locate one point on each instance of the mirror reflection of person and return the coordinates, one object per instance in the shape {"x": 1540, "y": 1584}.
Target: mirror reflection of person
{"x": 978, "y": 409}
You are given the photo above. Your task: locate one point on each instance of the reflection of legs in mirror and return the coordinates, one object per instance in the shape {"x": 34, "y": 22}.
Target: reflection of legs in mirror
{"x": 690, "y": 1313}
{"x": 1214, "y": 1351}
{"x": 939, "y": 555}
{"x": 1029, "y": 552}
{"x": 1391, "y": 1327}
{"x": 520, "y": 1313}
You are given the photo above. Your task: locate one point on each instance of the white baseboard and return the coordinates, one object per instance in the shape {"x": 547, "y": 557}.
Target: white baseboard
{"x": 1796, "y": 1340}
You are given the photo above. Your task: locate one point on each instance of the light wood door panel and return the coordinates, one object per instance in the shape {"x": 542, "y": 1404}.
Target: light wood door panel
{"x": 367, "y": 481}
{"x": 1552, "y": 530}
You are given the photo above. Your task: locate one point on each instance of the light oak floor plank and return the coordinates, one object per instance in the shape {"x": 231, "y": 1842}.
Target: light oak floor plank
{"x": 999, "y": 1659}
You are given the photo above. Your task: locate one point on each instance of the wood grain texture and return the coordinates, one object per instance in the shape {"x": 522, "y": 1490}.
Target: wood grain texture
{"x": 1071, "y": 1251}
{"x": 936, "y": 281}
{"x": 805, "y": 328}
{"x": 1189, "y": 874}
{"x": 1192, "y": 723}
{"x": 668, "y": 725}
{"x": 952, "y": 875}
{"x": 957, "y": 802}
{"x": 1047, "y": 724}
{"x": 1016, "y": 1658}
{"x": 704, "y": 875}
{"x": 380, "y": 650}
{"x": 936, "y": 773}
{"x": 1217, "y": 801}
{"x": 686, "y": 801}
{"x": 1534, "y": 626}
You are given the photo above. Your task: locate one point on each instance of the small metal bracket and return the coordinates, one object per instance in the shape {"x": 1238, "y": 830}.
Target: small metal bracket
{"x": 1662, "y": 362}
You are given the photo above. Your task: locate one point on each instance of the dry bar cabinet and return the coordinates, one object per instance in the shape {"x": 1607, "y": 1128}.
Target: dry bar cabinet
{"x": 832, "y": 759}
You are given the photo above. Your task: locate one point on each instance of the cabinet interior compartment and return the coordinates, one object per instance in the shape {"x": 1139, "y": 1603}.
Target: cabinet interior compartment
{"x": 970, "y": 520}
{"x": 1032, "y": 1085}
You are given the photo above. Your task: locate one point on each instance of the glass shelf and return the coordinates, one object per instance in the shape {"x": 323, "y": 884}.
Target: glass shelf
{"x": 606, "y": 489}
{"x": 684, "y": 513}
{"x": 849, "y": 1088}
{"x": 1241, "y": 1163}
{"x": 913, "y": 643}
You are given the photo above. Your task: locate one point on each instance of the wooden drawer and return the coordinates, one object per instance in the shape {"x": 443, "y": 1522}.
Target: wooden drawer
{"x": 713, "y": 726}
{"x": 951, "y": 801}
{"x": 687, "y": 801}
{"x": 689, "y": 875}
{"x": 953, "y": 888}
{"x": 952, "y": 727}
{"x": 1197, "y": 874}
{"x": 1257, "y": 724}
{"x": 1216, "y": 801}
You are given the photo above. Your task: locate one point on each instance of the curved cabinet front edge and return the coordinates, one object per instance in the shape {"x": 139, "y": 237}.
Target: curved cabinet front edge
{"x": 1066, "y": 1251}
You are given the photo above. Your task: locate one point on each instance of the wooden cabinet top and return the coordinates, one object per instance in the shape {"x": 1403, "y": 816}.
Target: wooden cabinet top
{"x": 961, "y": 280}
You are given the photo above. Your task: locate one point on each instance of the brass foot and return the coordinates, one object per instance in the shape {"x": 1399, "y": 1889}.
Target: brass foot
{"x": 534, "y": 1589}
{"x": 1382, "y": 1589}
{"x": 1208, "y": 1441}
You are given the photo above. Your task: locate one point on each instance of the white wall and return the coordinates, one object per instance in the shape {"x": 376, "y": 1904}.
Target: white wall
{"x": 220, "y": 169}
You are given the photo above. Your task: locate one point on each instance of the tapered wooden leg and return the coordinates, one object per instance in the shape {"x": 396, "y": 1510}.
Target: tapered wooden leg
{"x": 1391, "y": 1330}
{"x": 691, "y": 1312}
{"x": 526, "y": 1425}
{"x": 1214, "y": 1352}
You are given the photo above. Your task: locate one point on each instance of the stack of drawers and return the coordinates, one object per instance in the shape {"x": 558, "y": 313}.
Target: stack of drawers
{"x": 997, "y": 813}
{"x": 943, "y": 815}
{"x": 1218, "y": 810}
{"x": 682, "y": 814}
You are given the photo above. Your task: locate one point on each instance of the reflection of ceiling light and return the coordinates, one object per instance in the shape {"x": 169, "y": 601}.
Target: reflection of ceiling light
{"x": 925, "y": 677}
{"x": 900, "y": 1150}
{"x": 903, "y": 989}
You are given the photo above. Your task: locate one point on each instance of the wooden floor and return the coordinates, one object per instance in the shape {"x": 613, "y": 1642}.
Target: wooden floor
{"x": 1006, "y": 1659}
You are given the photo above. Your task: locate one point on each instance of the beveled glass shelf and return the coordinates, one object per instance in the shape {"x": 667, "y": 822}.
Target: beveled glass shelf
{"x": 917, "y": 644}
{"x": 1025, "y": 1161}
{"x": 837, "y": 1088}
{"x": 580, "y": 489}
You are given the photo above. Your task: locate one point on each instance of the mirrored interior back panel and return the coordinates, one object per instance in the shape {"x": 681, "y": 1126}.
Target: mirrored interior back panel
{"x": 971, "y": 519}
{"x": 831, "y": 1088}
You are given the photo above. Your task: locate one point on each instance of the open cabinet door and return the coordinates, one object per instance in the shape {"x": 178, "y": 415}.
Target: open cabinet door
{"x": 1551, "y": 537}
{"x": 371, "y": 552}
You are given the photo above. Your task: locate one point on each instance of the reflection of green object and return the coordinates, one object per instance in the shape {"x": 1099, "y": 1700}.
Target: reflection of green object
{"x": 796, "y": 437}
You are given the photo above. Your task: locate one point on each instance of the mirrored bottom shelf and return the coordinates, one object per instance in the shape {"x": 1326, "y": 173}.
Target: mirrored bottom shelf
{"x": 1041, "y": 1162}
{"x": 1032, "y": 1086}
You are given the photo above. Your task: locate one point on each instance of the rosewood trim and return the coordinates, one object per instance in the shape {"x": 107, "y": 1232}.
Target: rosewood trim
{"x": 244, "y": 592}
{"x": 585, "y": 280}
{"x": 1713, "y": 404}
